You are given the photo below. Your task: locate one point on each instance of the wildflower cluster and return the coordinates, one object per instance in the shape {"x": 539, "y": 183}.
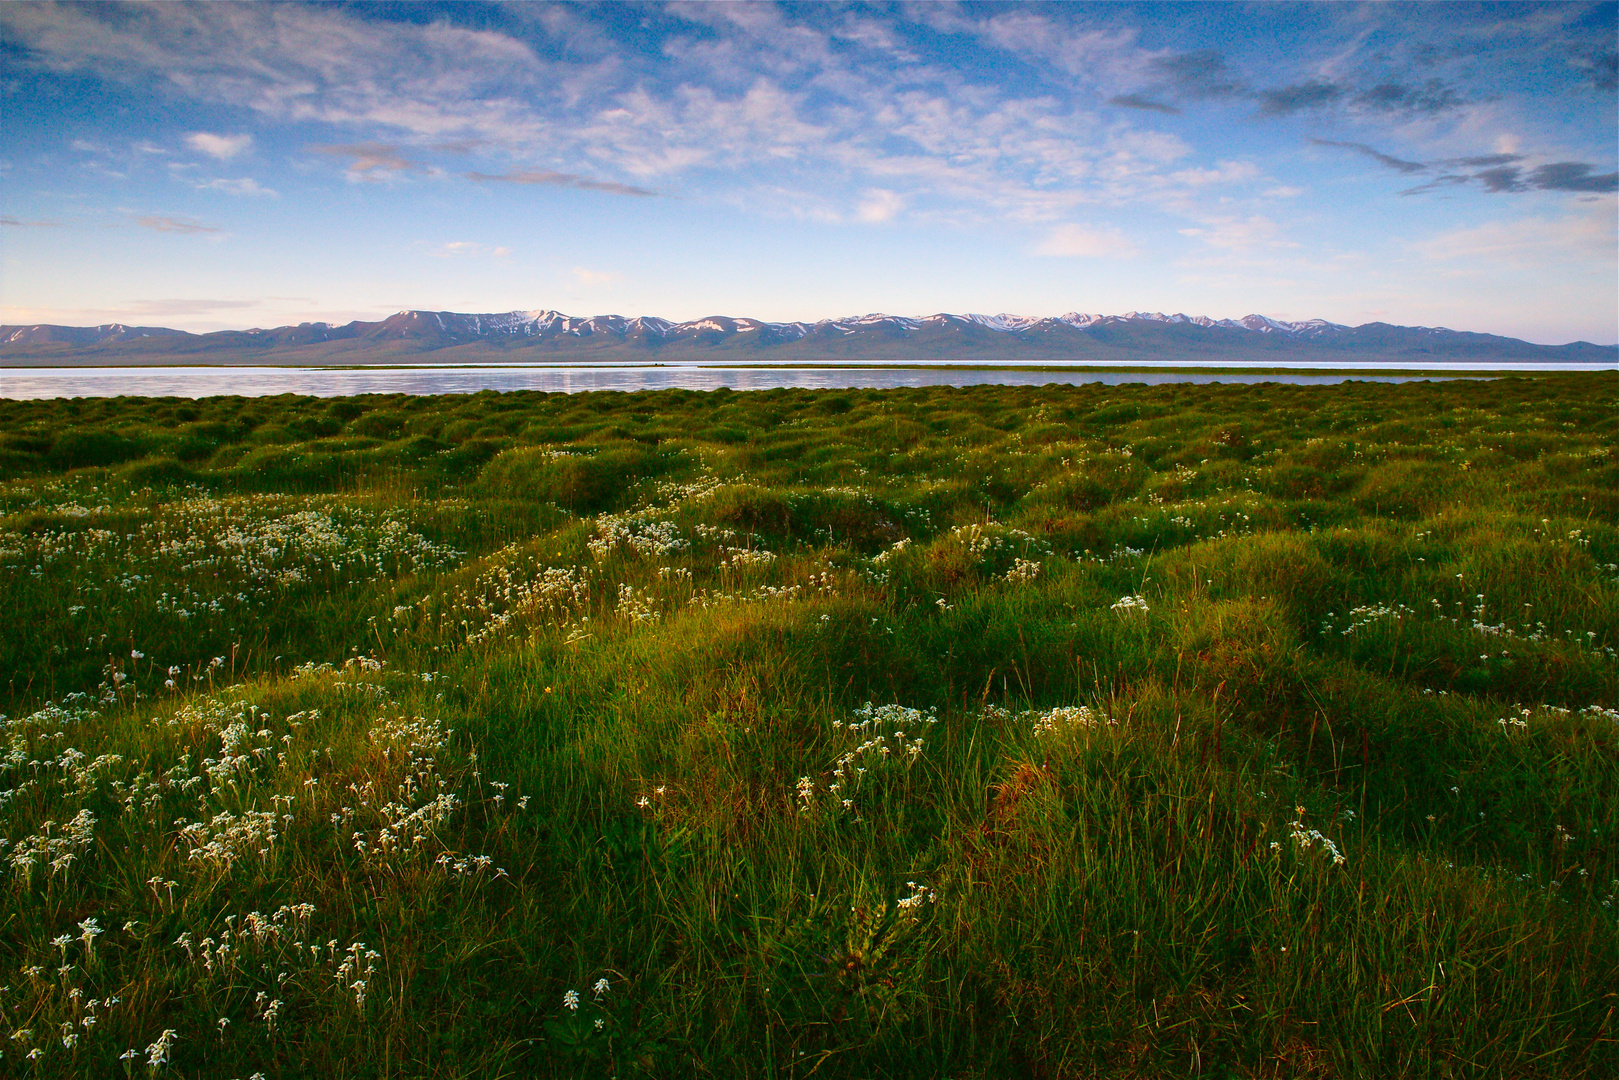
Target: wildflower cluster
{"x": 1196, "y": 520}
{"x": 636, "y": 607}
{"x": 746, "y": 558}
{"x": 589, "y": 1029}
{"x": 505, "y": 595}
{"x": 275, "y": 952}
{"x": 1469, "y": 612}
{"x": 66, "y": 770}
{"x": 886, "y": 737}
{"x": 1066, "y": 718}
{"x": 991, "y": 541}
{"x": 1365, "y": 615}
{"x": 703, "y": 487}
{"x": 911, "y": 904}
{"x": 398, "y": 815}
{"x": 218, "y": 554}
{"x": 227, "y": 837}
{"x": 640, "y": 531}
{"x": 1023, "y": 571}
{"x": 892, "y": 552}
{"x": 1520, "y": 715}
{"x": 1305, "y": 838}
{"x": 759, "y": 594}
{"x": 52, "y": 845}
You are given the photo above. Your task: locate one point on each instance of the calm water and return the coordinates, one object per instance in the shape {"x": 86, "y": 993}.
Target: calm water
{"x": 328, "y": 382}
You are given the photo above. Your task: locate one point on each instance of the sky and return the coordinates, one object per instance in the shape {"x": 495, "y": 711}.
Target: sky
{"x": 234, "y": 165}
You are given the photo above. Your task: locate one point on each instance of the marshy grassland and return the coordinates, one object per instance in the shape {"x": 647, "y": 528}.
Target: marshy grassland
{"x": 1054, "y": 732}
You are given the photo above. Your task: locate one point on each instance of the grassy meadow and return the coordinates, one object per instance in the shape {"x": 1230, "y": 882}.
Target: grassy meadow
{"x": 1222, "y": 731}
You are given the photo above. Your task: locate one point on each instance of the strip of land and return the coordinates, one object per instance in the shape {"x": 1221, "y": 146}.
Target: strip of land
{"x": 983, "y": 731}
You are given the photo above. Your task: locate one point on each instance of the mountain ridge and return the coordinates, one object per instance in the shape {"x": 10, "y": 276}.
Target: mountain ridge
{"x": 1133, "y": 337}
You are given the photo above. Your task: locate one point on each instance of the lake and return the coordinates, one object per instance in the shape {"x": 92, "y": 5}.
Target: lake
{"x": 425, "y": 379}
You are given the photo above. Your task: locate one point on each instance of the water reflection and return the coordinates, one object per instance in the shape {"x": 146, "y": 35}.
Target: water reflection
{"x": 330, "y": 382}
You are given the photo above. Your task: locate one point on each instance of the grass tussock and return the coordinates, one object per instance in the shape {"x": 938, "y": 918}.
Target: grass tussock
{"x": 1074, "y": 731}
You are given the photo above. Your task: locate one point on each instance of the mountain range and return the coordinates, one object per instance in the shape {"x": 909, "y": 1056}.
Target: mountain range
{"x": 550, "y": 336}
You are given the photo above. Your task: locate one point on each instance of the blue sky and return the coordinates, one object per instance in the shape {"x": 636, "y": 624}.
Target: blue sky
{"x": 234, "y": 165}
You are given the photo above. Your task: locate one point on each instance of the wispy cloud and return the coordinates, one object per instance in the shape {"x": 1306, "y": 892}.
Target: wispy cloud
{"x": 1495, "y": 173}
{"x": 1199, "y": 74}
{"x": 1145, "y": 104}
{"x": 371, "y": 161}
{"x": 1086, "y": 241}
{"x": 1203, "y": 75}
{"x": 1386, "y": 160}
{"x": 223, "y": 147}
{"x": 197, "y": 313}
{"x": 878, "y": 205}
{"x": 1568, "y": 176}
{"x": 1585, "y": 237}
{"x": 242, "y": 185}
{"x": 594, "y": 277}
{"x": 1602, "y": 66}
{"x": 762, "y": 98}
{"x": 465, "y": 248}
{"x": 1224, "y": 172}
{"x": 1432, "y": 96}
{"x": 1572, "y": 176}
{"x": 146, "y": 309}
{"x": 1282, "y": 100}
{"x": 14, "y": 223}
{"x": 559, "y": 179}
{"x": 185, "y": 226}
{"x": 1255, "y": 230}
{"x": 1074, "y": 130}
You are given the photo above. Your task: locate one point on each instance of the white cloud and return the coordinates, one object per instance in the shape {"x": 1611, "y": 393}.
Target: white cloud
{"x": 1095, "y": 58}
{"x": 223, "y": 147}
{"x": 151, "y": 308}
{"x": 593, "y": 277}
{"x": 1528, "y": 241}
{"x": 876, "y": 36}
{"x": 742, "y": 106}
{"x": 879, "y": 205}
{"x": 1226, "y": 172}
{"x": 1087, "y": 242}
{"x": 760, "y": 100}
{"x": 372, "y": 161}
{"x": 196, "y": 315}
{"x": 130, "y": 311}
{"x": 1156, "y": 147}
{"x": 464, "y": 249}
{"x": 1232, "y": 232}
{"x": 185, "y": 226}
{"x": 244, "y": 185}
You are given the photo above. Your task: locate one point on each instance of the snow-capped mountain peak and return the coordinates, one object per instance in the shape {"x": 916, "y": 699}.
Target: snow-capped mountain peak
{"x": 1133, "y": 336}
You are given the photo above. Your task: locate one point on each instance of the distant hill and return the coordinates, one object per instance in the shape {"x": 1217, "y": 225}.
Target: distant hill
{"x": 450, "y": 337}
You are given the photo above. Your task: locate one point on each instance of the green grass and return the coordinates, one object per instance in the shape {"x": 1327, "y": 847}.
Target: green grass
{"x": 1251, "y": 731}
